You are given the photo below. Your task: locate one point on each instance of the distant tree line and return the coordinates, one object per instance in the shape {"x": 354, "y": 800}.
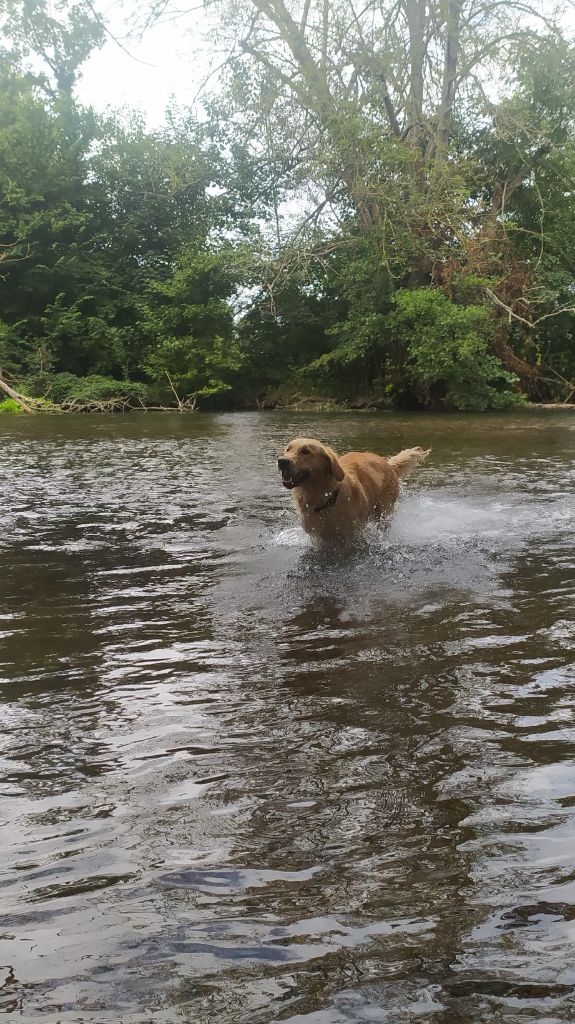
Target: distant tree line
{"x": 377, "y": 206}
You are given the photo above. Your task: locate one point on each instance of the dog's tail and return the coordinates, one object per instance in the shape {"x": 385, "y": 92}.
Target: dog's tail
{"x": 404, "y": 462}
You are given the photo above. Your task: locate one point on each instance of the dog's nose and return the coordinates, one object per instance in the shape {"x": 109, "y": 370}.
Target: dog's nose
{"x": 283, "y": 464}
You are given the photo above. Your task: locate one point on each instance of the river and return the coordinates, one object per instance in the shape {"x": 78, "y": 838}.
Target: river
{"x": 243, "y": 780}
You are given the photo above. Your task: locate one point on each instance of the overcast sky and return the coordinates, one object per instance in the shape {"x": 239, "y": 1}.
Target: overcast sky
{"x": 171, "y": 60}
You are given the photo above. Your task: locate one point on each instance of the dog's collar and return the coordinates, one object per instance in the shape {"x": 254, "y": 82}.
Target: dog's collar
{"x": 328, "y": 502}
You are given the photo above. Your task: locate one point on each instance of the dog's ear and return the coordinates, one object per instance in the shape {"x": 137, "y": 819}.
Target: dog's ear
{"x": 333, "y": 463}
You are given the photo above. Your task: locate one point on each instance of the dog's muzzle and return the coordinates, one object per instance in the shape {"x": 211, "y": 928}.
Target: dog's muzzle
{"x": 287, "y": 472}
{"x": 291, "y": 476}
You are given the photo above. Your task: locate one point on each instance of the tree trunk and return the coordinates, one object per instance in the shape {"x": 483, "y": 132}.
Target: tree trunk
{"x": 523, "y": 370}
{"x": 449, "y": 84}
{"x": 415, "y": 13}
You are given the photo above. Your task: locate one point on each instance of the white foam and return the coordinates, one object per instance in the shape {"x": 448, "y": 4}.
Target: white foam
{"x": 422, "y": 518}
{"x": 292, "y": 537}
{"x": 440, "y": 517}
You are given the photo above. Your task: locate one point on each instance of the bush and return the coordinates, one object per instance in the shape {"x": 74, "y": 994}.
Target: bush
{"x": 448, "y": 361}
{"x": 61, "y": 386}
{"x": 99, "y": 389}
{"x": 66, "y": 387}
{"x": 9, "y": 405}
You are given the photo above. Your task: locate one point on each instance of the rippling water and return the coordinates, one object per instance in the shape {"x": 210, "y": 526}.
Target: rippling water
{"x": 245, "y": 781}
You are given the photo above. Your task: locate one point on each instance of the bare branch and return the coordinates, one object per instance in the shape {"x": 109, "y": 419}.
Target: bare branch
{"x": 114, "y": 39}
{"x": 512, "y": 315}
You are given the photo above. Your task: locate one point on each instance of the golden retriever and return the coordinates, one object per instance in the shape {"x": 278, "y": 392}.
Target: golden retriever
{"x": 337, "y": 495}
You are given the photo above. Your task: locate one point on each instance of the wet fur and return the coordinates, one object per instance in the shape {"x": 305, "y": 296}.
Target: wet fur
{"x": 367, "y": 486}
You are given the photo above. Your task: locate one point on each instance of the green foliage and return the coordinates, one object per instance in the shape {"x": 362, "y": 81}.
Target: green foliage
{"x": 59, "y": 386}
{"x": 361, "y": 347}
{"x": 278, "y": 343}
{"x": 189, "y": 320}
{"x": 66, "y": 387}
{"x": 195, "y": 370}
{"x": 421, "y": 349}
{"x": 138, "y": 263}
{"x": 357, "y": 355}
{"x": 9, "y": 405}
{"x": 447, "y": 359}
{"x": 51, "y": 390}
{"x": 45, "y": 225}
{"x": 62, "y": 44}
{"x": 106, "y": 252}
{"x": 423, "y": 169}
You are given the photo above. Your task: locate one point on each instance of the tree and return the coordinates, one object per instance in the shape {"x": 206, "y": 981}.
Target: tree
{"x": 59, "y": 45}
{"x": 362, "y": 211}
{"x": 103, "y": 224}
{"x": 380, "y": 120}
{"x": 188, "y": 320}
{"x": 44, "y": 220}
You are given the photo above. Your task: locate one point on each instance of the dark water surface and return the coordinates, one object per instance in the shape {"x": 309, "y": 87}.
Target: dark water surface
{"x": 244, "y": 781}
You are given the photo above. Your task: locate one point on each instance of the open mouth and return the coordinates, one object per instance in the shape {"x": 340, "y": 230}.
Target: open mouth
{"x": 291, "y": 480}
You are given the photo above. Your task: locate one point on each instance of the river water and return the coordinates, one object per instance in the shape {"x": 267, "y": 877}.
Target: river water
{"x": 246, "y": 781}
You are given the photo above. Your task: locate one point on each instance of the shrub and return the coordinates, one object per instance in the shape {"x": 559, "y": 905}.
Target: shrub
{"x": 66, "y": 387}
{"x": 448, "y": 360}
{"x": 9, "y": 405}
{"x": 97, "y": 388}
{"x": 61, "y": 386}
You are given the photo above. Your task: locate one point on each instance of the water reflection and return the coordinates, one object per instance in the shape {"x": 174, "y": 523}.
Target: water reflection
{"x": 245, "y": 780}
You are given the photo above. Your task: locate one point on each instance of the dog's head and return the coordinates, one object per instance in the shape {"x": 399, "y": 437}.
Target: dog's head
{"x": 306, "y": 460}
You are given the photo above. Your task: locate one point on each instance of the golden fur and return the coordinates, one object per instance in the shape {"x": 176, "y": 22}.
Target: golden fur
{"x": 337, "y": 495}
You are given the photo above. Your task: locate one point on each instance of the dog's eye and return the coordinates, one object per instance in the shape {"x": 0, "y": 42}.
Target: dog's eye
{"x": 304, "y": 451}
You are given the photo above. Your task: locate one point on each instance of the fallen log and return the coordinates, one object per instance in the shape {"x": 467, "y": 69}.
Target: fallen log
{"x": 14, "y": 395}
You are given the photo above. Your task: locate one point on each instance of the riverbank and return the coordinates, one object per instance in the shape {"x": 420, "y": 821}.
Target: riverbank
{"x": 307, "y": 405}
{"x": 104, "y": 397}
{"x": 311, "y": 404}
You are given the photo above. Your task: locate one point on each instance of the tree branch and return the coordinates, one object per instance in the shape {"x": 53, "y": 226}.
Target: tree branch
{"x": 512, "y": 315}
{"x": 503, "y": 190}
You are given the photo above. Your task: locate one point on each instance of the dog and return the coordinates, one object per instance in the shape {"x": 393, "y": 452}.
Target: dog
{"x": 337, "y": 495}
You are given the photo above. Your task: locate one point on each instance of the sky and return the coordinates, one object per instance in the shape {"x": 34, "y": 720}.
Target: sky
{"x": 171, "y": 60}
